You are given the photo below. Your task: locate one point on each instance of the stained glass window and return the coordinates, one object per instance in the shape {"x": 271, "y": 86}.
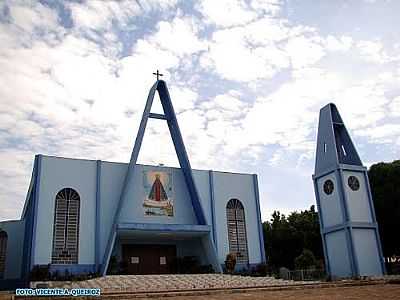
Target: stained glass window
{"x": 66, "y": 227}
{"x": 237, "y": 230}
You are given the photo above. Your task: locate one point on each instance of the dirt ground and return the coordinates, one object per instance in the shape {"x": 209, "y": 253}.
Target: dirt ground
{"x": 365, "y": 292}
{"x": 370, "y": 292}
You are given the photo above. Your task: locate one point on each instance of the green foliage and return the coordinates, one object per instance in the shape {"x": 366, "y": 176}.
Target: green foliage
{"x": 230, "y": 263}
{"x": 385, "y": 187}
{"x": 190, "y": 265}
{"x": 286, "y": 237}
{"x": 260, "y": 270}
{"x": 305, "y": 260}
{"x": 40, "y": 273}
{"x": 43, "y": 273}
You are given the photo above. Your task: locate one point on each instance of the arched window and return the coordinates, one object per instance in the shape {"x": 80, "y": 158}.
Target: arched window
{"x": 237, "y": 230}
{"x": 3, "y": 252}
{"x": 66, "y": 227}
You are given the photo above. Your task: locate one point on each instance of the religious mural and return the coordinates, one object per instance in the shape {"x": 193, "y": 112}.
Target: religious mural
{"x": 158, "y": 194}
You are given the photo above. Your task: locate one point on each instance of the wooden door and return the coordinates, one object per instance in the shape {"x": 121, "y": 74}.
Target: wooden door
{"x": 149, "y": 259}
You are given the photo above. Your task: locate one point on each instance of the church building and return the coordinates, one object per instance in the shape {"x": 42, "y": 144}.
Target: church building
{"x": 125, "y": 218}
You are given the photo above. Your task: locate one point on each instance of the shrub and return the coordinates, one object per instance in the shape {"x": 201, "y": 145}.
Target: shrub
{"x": 260, "y": 270}
{"x": 230, "y": 262}
{"x": 305, "y": 260}
{"x": 40, "y": 273}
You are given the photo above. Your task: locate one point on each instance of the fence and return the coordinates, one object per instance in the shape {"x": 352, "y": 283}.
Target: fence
{"x": 306, "y": 275}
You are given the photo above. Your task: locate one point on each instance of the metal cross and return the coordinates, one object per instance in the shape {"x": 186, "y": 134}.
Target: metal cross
{"x": 158, "y": 74}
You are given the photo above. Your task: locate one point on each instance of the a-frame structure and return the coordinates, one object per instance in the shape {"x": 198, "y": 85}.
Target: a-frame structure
{"x": 349, "y": 228}
{"x": 169, "y": 116}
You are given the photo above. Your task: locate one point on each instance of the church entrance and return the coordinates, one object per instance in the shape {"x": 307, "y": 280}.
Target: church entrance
{"x": 149, "y": 259}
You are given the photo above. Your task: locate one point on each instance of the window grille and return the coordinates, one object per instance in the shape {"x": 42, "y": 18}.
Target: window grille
{"x": 237, "y": 230}
{"x": 66, "y": 227}
{"x": 3, "y": 252}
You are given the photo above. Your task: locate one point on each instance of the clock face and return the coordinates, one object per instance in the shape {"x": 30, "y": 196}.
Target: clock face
{"x": 328, "y": 187}
{"x": 353, "y": 182}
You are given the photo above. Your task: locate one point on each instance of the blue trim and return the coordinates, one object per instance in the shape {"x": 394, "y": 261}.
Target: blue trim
{"x": 325, "y": 172}
{"x": 181, "y": 151}
{"x": 157, "y": 116}
{"x": 164, "y": 227}
{"x": 341, "y": 194}
{"x": 128, "y": 177}
{"x": 212, "y": 200}
{"x": 344, "y": 225}
{"x": 97, "y": 222}
{"x": 213, "y": 260}
{"x": 161, "y": 87}
{"x": 321, "y": 223}
{"x": 35, "y": 209}
{"x": 346, "y": 219}
{"x": 259, "y": 221}
{"x": 353, "y": 168}
{"x": 28, "y": 218}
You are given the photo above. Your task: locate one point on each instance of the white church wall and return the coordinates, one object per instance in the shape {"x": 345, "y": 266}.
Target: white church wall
{"x": 236, "y": 186}
{"x": 56, "y": 174}
{"x": 81, "y": 175}
{"x": 330, "y": 204}
{"x": 202, "y": 181}
{"x": 366, "y": 252}
{"x": 339, "y": 260}
{"x": 111, "y": 182}
{"x": 15, "y": 245}
{"x": 357, "y": 201}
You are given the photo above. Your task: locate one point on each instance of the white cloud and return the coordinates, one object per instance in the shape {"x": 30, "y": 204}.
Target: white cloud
{"x": 394, "y": 107}
{"x": 372, "y": 51}
{"x": 30, "y": 17}
{"x": 183, "y": 98}
{"x": 236, "y": 54}
{"x": 100, "y": 15}
{"x": 68, "y": 92}
{"x": 343, "y": 43}
{"x": 226, "y": 13}
{"x": 270, "y": 7}
{"x": 305, "y": 51}
{"x": 381, "y": 134}
{"x": 179, "y": 36}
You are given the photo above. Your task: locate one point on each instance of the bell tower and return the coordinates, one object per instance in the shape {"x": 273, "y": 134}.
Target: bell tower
{"x": 349, "y": 229}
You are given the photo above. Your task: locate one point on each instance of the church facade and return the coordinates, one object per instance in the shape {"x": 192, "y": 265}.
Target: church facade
{"x": 97, "y": 216}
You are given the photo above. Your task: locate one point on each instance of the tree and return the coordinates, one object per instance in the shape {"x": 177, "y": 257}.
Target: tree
{"x": 285, "y": 238}
{"x": 385, "y": 188}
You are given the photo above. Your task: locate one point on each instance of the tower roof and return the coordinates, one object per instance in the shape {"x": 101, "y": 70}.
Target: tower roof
{"x": 334, "y": 145}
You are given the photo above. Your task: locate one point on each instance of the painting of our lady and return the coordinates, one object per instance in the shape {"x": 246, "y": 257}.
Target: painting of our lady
{"x": 157, "y": 201}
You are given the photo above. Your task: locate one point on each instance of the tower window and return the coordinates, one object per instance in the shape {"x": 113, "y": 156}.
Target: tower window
{"x": 237, "y": 230}
{"x": 344, "y": 151}
{"x": 66, "y": 227}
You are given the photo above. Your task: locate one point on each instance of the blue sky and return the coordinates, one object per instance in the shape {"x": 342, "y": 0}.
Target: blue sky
{"x": 247, "y": 79}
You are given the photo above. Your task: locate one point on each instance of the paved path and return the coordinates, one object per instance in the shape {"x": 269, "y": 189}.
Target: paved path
{"x": 178, "y": 282}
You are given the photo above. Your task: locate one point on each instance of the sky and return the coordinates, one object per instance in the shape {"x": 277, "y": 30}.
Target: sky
{"x": 247, "y": 79}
